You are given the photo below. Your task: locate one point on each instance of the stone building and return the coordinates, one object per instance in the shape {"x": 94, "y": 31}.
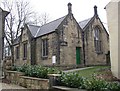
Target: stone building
{"x": 113, "y": 19}
{"x": 95, "y": 41}
{"x": 3, "y": 14}
{"x": 62, "y": 41}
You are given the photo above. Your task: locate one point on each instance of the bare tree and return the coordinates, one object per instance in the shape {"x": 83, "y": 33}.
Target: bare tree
{"x": 40, "y": 19}
{"x": 44, "y": 18}
{"x": 19, "y": 14}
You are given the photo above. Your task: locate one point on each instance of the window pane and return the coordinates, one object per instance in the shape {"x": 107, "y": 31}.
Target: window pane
{"x": 44, "y": 47}
{"x": 25, "y": 50}
{"x": 97, "y": 40}
{"x": 17, "y": 52}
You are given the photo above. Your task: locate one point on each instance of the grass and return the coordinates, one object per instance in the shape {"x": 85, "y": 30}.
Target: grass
{"x": 88, "y": 73}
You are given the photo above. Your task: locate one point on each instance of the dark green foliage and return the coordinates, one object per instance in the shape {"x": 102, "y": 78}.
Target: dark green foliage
{"x": 76, "y": 81}
{"x": 36, "y": 70}
{"x": 97, "y": 85}
{"x": 14, "y": 68}
{"x": 114, "y": 86}
{"x": 102, "y": 85}
{"x": 72, "y": 80}
{"x": 69, "y": 79}
{"x": 20, "y": 68}
{"x": 53, "y": 70}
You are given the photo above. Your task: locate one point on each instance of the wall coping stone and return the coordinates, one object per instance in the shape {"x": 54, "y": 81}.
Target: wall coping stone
{"x": 34, "y": 78}
{"x": 9, "y": 71}
{"x": 13, "y": 71}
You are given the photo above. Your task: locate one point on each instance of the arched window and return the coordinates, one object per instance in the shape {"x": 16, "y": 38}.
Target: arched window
{"x": 97, "y": 40}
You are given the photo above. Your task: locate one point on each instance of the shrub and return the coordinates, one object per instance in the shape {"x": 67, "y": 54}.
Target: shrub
{"x": 72, "y": 80}
{"x": 36, "y": 70}
{"x": 53, "y": 71}
{"x": 76, "y": 81}
{"x": 24, "y": 67}
{"x": 14, "y": 68}
{"x": 102, "y": 85}
{"x": 114, "y": 86}
{"x": 20, "y": 68}
{"x": 97, "y": 85}
{"x": 41, "y": 72}
{"x": 30, "y": 71}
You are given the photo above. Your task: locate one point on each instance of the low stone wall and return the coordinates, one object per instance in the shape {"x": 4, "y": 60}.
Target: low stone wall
{"x": 29, "y": 82}
{"x": 13, "y": 76}
{"x": 34, "y": 83}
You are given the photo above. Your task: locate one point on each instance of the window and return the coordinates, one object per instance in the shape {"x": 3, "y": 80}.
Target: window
{"x": 17, "y": 52}
{"x": 97, "y": 40}
{"x": 25, "y": 51}
{"x": 44, "y": 47}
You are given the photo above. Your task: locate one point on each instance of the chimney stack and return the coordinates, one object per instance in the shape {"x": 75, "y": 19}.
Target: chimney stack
{"x": 95, "y": 10}
{"x": 69, "y": 8}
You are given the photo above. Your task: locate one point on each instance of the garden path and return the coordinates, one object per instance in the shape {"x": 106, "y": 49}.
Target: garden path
{"x": 72, "y": 70}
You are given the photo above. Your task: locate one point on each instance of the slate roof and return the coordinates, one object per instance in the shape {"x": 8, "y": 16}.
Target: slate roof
{"x": 84, "y": 22}
{"x": 16, "y": 41}
{"x": 33, "y": 29}
{"x": 49, "y": 27}
{"x": 37, "y": 31}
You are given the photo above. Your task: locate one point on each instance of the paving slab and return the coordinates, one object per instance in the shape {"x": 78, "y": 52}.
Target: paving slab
{"x": 10, "y": 86}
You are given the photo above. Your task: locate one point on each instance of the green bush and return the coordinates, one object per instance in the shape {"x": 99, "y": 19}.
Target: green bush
{"x": 72, "y": 80}
{"x": 30, "y": 71}
{"x": 114, "y": 86}
{"x": 14, "y": 68}
{"x": 97, "y": 85}
{"x": 20, "y": 68}
{"x": 53, "y": 71}
{"x": 102, "y": 85}
{"x": 36, "y": 70}
{"x": 76, "y": 81}
{"x": 41, "y": 72}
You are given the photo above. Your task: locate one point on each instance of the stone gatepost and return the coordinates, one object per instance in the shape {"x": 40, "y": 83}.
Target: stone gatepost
{"x": 53, "y": 79}
{"x": 113, "y": 17}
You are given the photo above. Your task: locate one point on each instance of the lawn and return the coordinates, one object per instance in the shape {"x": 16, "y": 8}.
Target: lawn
{"x": 88, "y": 73}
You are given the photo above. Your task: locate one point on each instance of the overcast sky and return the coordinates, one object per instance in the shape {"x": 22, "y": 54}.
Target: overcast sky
{"x": 82, "y": 9}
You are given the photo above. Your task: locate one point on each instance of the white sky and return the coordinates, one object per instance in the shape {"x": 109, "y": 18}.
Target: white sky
{"x": 82, "y": 9}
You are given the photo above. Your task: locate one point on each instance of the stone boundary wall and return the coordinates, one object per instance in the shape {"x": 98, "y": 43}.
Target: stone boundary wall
{"x": 29, "y": 82}
{"x": 34, "y": 83}
{"x": 18, "y": 78}
{"x": 13, "y": 76}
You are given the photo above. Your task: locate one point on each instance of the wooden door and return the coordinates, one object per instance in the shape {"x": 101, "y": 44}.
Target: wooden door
{"x": 78, "y": 58}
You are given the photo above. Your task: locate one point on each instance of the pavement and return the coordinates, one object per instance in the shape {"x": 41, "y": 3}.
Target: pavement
{"x": 9, "y": 86}
{"x": 77, "y": 69}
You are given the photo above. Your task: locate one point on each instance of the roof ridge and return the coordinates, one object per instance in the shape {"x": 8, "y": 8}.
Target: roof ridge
{"x": 33, "y": 25}
{"x": 37, "y": 32}
{"x": 83, "y": 23}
